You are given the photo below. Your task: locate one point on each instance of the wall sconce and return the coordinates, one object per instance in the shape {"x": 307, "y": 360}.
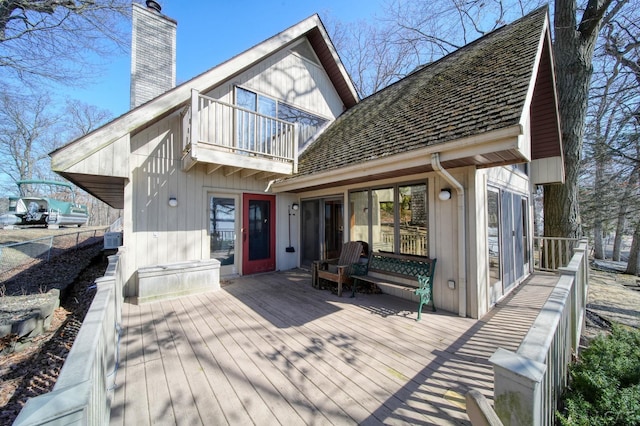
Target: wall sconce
{"x": 445, "y": 194}
{"x": 173, "y": 202}
{"x": 295, "y": 207}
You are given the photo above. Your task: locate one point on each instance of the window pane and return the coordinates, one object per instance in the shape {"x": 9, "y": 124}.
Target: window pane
{"x": 259, "y": 229}
{"x": 525, "y": 230}
{"x": 246, "y": 99}
{"x": 308, "y": 124}
{"x": 333, "y": 228}
{"x": 359, "y": 216}
{"x": 413, "y": 221}
{"x": 267, "y": 127}
{"x": 382, "y": 219}
{"x": 222, "y": 218}
{"x": 493, "y": 233}
{"x": 246, "y": 121}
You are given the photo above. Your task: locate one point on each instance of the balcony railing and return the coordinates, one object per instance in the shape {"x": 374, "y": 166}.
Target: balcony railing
{"x": 222, "y": 128}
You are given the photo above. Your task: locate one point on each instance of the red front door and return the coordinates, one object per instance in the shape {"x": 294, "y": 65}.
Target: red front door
{"x": 258, "y": 233}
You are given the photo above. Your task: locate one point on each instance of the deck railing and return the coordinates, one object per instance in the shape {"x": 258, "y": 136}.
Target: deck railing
{"x": 529, "y": 382}
{"x": 550, "y": 253}
{"x": 234, "y": 129}
{"x": 83, "y": 391}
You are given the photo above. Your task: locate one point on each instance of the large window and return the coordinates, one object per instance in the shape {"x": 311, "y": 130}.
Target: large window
{"x": 392, "y": 219}
{"x": 308, "y": 124}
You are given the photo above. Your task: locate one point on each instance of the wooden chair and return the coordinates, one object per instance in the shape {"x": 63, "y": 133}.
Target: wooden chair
{"x": 338, "y": 270}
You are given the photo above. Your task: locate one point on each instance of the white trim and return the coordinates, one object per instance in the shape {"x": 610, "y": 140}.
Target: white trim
{"x": 502, "y": 139}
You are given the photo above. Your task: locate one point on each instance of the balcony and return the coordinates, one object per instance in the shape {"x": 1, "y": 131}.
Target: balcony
{"x": 237, "y": 140}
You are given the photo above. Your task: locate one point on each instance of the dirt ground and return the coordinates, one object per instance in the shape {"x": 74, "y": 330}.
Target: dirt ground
{"x": 17, "y": 235}
{"x": 613, "y": 296}
{"x": 30, "y": 367}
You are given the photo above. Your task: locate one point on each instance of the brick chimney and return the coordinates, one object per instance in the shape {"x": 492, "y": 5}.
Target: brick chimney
{"x": 153, "y": 53}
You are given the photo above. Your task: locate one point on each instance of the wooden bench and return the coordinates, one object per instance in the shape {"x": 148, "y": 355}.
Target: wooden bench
{"x": 398, "y": 275}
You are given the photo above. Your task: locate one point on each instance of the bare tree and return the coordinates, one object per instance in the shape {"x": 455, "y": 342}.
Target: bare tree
{"x": 574, "y": 45}
{"x": 83, "y": 118}
{"x": 31, "y": 127}
{"x": 54, "y": 39}
{"x": 604, "y": 177}
{"x": 27, "y": 126}
{"x": 622, "y": 42}
{"x": 372, "y": 55}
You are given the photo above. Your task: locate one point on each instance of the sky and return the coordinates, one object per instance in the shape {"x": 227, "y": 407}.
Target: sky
{"x": 210, "y": 32}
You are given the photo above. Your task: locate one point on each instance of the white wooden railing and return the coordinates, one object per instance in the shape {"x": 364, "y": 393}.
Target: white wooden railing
{"x": 529, "y": 382}
{"x": 550, "y": 253}
{"x": 211, "y": 122}
{"x": 83, "y": 391}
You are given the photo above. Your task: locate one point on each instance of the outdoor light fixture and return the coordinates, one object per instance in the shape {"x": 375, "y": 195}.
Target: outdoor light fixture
{"x": 173, "y": 202}
{"x": 295, "y": 207}
{"x": 445, "y": 194}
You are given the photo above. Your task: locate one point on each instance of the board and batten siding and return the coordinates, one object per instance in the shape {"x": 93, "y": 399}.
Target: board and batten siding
{"x": 155, "y": 233}
{"x": 288, "y": 77}
{"x": 110, "y": 160}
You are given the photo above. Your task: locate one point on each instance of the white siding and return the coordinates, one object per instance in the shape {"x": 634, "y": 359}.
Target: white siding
{"x": 156, "y": 233}
{"x": 547, "y": 170}
{"x": 111, "y": 160}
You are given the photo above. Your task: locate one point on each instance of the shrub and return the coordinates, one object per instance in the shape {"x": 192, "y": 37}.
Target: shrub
{"x": 604, "y": 385}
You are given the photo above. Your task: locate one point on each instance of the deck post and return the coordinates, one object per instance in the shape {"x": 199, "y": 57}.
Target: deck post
{"x": 195, "y": 122}
{"x": 517, "y": 388}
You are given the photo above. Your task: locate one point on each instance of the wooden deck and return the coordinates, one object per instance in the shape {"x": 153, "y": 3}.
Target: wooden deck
{"x": 270, "y": 349}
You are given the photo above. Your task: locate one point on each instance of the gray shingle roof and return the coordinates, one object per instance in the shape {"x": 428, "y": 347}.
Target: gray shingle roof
{"x": 478, "y": 88}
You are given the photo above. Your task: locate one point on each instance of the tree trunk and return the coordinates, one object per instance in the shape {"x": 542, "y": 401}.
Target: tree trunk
{"x": 598, "y": 243}
{"x": 573, "y": 49}
{"x": 632, "y": 264}
{"x": 617, "y": 242}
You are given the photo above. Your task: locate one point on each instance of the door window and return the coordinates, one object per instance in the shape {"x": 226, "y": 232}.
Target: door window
{"x": 222, "y": 229}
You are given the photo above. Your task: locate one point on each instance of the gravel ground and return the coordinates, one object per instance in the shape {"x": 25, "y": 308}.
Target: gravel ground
{"x": 34, "y": 370}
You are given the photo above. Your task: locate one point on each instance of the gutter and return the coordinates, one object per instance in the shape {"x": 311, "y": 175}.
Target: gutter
{"x": 462, "y": 233}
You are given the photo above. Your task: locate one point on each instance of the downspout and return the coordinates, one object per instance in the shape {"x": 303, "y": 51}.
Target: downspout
{"x": 462, "y": 233}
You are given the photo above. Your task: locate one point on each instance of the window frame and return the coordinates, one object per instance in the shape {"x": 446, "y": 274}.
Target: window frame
{"x": 306, "y": 115}
{"x": 395, "y": 187}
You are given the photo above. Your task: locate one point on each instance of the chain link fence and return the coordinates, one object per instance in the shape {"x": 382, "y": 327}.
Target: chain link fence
{"x": 16, "y": 257}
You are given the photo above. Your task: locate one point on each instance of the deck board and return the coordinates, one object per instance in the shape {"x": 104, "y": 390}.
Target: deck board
{"x": 271, "y": 349}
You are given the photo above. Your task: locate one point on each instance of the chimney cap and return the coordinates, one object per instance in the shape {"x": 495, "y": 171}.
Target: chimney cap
{"x": 154, "y": 5}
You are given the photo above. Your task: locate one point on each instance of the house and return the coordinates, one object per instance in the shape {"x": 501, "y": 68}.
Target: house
{"x": 269, "y": 161}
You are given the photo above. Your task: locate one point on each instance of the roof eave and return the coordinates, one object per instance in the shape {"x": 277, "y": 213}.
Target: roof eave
{"x": 464, "y": 151}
